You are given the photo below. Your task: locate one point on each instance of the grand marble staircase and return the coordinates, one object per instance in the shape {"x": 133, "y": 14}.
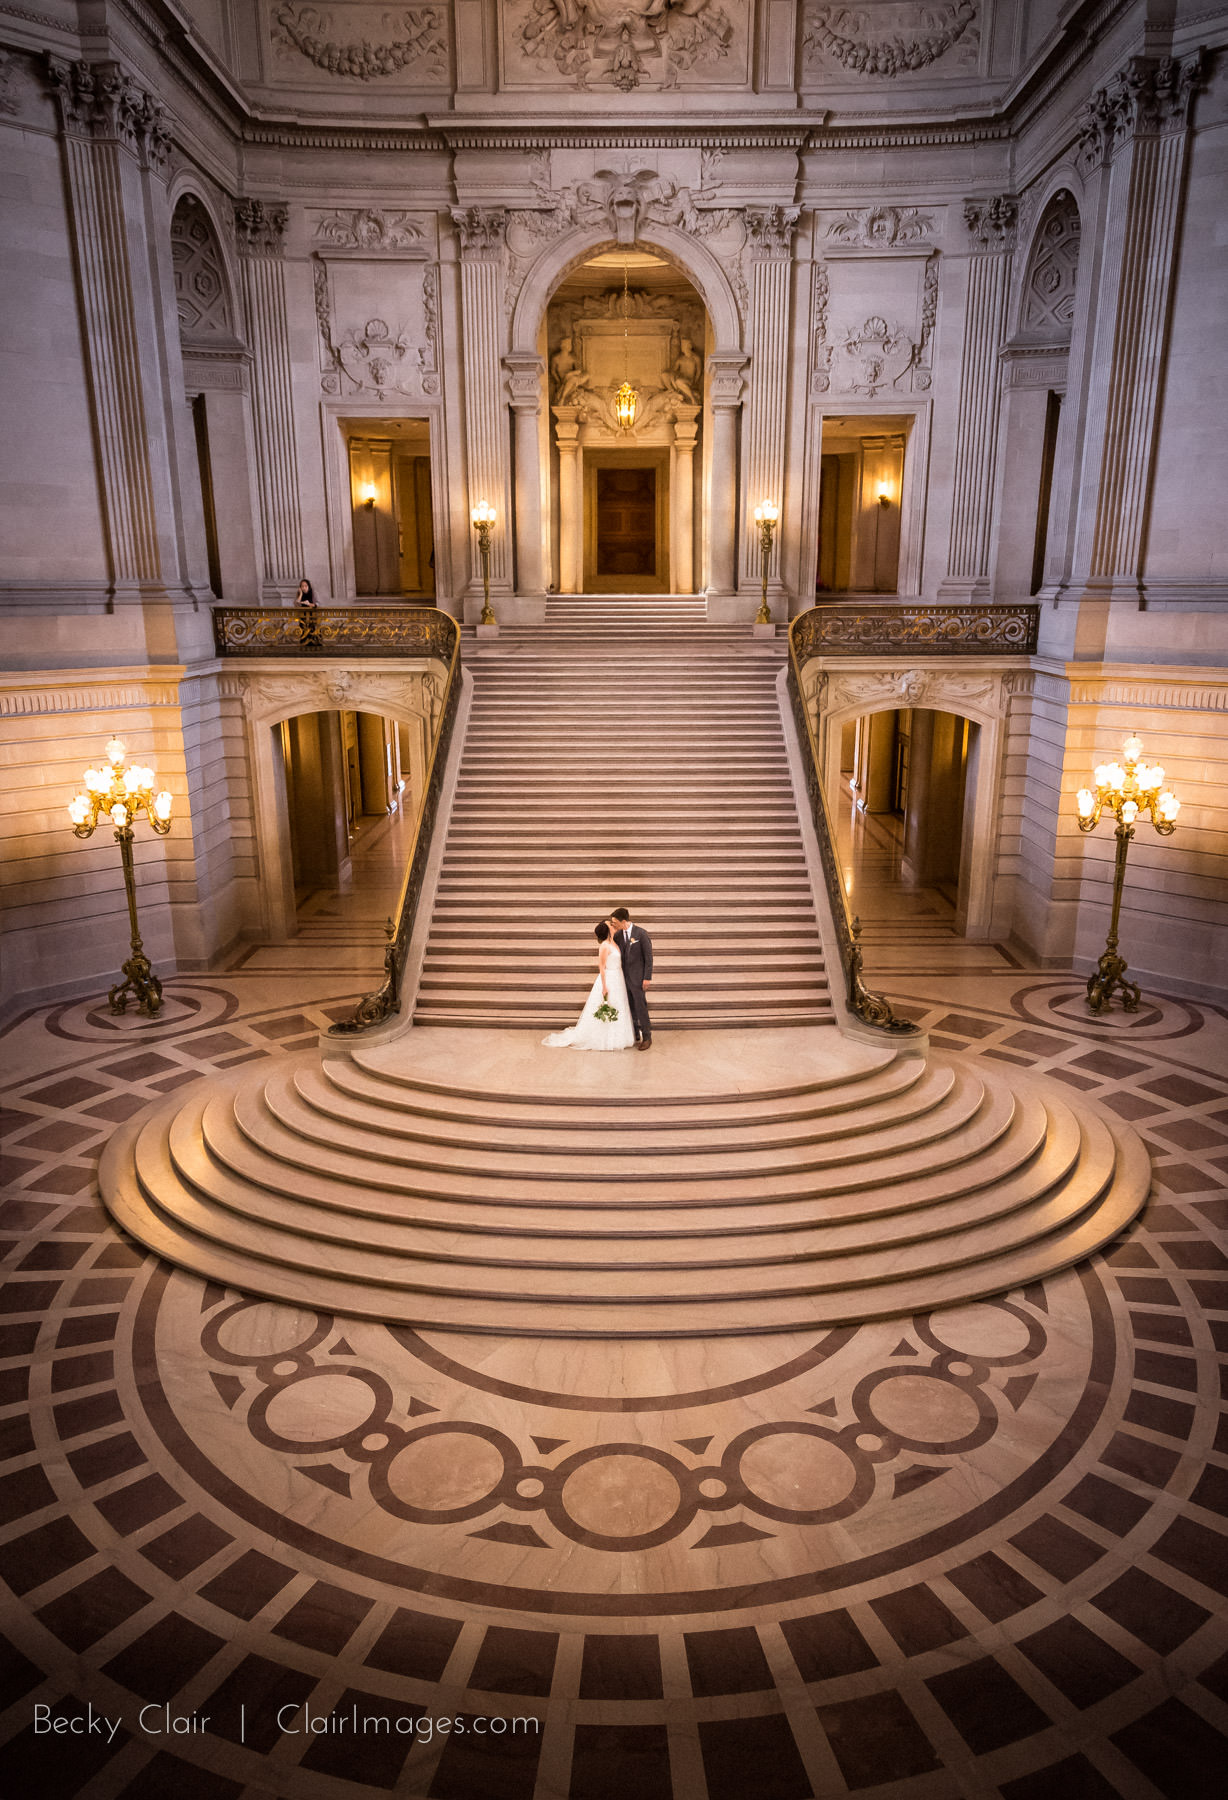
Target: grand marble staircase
{"x": 626, "y": 753}
{"x": 733, "y": 1181}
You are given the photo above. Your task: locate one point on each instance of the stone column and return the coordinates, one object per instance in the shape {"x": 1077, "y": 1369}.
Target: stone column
{"x": 481, "y": 232}
{"x": 571, "y": 500}
{"x": 991, "y": 232}
{"x": 725, "y": 371}
{"x": 770, "y": 239}
{"x": 1136, "y": 133}
{"x": 260, "y": 230}
{"x": 524, "y": 375}
{"x": 114, "y": 140}
{"x": 682, "y": 500}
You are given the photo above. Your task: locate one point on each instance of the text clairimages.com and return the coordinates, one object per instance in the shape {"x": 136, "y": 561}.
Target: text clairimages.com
{"x": 157, "y": 1720}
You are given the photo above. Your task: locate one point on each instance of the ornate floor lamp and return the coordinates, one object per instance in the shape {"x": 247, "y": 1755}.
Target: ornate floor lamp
{"x": 1125, "y": 791}
{"x": 123, "y": 794}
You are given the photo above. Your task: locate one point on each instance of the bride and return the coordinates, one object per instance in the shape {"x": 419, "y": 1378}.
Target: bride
{"x": 589, "y": 1033}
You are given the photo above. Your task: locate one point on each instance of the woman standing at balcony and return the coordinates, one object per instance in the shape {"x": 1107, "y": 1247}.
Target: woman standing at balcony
{"x": 306, "y": 596}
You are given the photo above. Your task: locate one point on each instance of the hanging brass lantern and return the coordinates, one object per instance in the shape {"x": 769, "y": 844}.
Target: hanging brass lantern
{"x": 626, "y": 401}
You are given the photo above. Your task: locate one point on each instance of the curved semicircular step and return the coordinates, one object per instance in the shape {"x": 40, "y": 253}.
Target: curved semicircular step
{"x": 876, "y": 1185}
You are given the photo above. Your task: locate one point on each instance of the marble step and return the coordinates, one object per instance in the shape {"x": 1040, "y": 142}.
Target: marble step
{"x": 925, "y": 1225}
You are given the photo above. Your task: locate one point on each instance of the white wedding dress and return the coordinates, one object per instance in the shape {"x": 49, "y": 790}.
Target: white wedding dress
{"x": 589, "y": 1033}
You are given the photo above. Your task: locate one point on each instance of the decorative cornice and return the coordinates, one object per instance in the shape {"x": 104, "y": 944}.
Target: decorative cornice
{"x": 1148, "y": 97}
{"x": 992, "y": 222}
{"x": 566, "y": 135}
{"x": 22, "y": 702}
{"x": 260, "y": 227}
{"x": 101, "y": 101}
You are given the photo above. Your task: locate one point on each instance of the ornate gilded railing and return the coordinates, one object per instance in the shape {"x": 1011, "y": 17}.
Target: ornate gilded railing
{"x": 333, "y": 631}
{"x": 874, "y": 630}
{"x": 869, "y": 1008}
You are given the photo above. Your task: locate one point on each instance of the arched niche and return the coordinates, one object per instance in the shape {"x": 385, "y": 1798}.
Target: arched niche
{"x": 1047, "y": 295}
{"x": 216, "y": 383}
{"x": 692, "y": 258}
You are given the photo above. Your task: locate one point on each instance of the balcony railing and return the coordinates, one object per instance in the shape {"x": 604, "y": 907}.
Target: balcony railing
{"x": 892, "y": 628}
{"x": 869, "y": 1008}
{"x": 333, "y": 631}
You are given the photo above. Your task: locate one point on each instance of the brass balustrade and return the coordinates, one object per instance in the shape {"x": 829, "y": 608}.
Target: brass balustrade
{"x": 869, "y": 1008}
{"x": 333, "y": 631}
{"x": 934, "y": 630}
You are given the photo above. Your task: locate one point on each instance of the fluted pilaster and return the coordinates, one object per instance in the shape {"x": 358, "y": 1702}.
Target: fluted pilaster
{"x": 481, "y": 232}
{"x": 770, "y": 232}
{"x": 261, "y": 232}
{"x": 114, "y": 137}
{"x": 991, "y": 228}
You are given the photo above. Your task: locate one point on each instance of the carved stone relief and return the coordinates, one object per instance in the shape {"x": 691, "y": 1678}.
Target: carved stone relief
{"x": 1049, "y": 285}
{"x": 890, "y": 40}
{"x": 377, "y": 352}
{"x": 936, "y": 688}
{"x": 625, "y": 44}
{"x": 621, "y": 199}
{"x": 406, "y": 40}
{"x": 365, "y": 228}
{"x": 874, "y": 353}
{"x": 882, "y": 226}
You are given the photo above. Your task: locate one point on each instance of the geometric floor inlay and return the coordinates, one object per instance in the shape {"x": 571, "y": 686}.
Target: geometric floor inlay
{"x": 971, "y": 1553}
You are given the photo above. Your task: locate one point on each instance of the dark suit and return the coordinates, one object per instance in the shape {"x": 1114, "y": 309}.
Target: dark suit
{"x": 636, "y": 949}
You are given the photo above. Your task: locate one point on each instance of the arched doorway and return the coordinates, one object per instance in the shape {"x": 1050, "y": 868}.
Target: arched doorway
{"x": 626, "y": 501}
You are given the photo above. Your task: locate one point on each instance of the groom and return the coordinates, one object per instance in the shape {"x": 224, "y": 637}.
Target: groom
{"x": 635, "y": 947}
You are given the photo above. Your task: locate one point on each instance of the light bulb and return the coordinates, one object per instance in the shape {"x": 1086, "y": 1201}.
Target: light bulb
{"x": 119, "y": 814}
{"x": 1132, "y": 749}
{"x": 162, "y": 805}
{"x": 79, "y": 810}
{"x": 1117, "y": 777}
{"x": 1168, "y": 807}
{"x": 116, "y": 751}
{"x": 768, "y": 510}
{"x": 1155, "y": 776}
{"x": 1085, "y": 800}
{"x": 1102, "y": 775}
{"x": 132, "y": 779}
{"x": 483, "y": 513}
{"x": 1129, "y": 812}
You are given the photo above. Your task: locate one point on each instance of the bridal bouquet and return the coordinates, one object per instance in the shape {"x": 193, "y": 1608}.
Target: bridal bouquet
{"x": 606, "y": 1013}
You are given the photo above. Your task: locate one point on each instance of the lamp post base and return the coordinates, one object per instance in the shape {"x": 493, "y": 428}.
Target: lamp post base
{"x": 140, "y": 983}
{"x": 1109, "y": 977}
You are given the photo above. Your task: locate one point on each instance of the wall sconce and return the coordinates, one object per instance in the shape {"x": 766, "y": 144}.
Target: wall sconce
{"x": 884, "y": 493}
{"x": 367, "y": 491}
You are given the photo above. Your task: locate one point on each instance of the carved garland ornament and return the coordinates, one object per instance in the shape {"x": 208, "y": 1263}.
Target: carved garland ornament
{"x": 625, "y": 42}
{"x": 890, "y": 41}
{"x": 305, "y": 29}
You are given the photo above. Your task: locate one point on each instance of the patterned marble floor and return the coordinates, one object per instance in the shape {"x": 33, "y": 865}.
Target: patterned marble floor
{"x": 255, "y": 1552}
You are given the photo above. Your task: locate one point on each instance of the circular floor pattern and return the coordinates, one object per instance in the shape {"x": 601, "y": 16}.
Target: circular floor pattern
{"x": 978, "y": 1552}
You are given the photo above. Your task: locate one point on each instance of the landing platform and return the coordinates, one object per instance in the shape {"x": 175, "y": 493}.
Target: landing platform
{"x": 720, "y": 1183}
